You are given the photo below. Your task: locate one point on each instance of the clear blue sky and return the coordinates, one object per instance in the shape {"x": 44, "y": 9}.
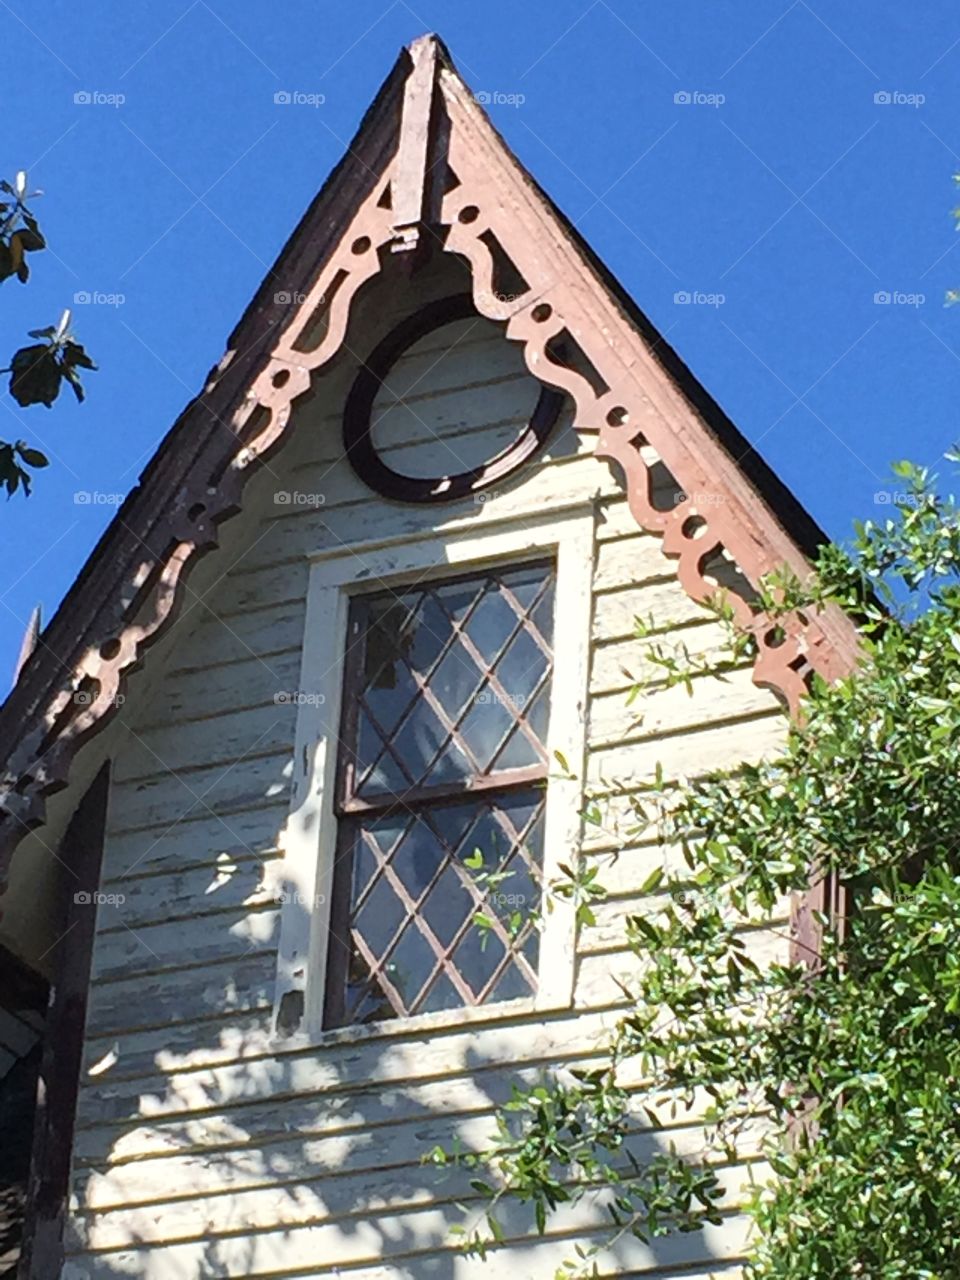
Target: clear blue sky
{"x": 798, "y": 198}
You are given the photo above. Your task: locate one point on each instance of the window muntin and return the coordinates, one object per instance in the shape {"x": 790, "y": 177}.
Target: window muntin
{"x": 441, "y": 795}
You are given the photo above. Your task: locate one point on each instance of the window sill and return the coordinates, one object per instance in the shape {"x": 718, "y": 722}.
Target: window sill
{"x": 420, "y": 1023}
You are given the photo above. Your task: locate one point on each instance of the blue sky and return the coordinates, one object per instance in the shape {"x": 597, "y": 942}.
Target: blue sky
{"x": 784, "y": 166}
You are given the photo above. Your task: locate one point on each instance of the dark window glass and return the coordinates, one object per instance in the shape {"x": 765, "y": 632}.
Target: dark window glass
{"x": 440, "y": 796}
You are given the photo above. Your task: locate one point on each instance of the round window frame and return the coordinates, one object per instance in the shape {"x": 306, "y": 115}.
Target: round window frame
{"x": 358, "y": 412}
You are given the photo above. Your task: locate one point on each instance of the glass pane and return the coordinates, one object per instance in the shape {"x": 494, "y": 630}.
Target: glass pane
{"x": 448, "y": 906}
{"x": 478, "y": 956}
{"x": 417, "y": 858}
{"x": 478, "y": 860}
{"x": 411, "y": 962}
{"x": 518, "y": 752}
{"x": 455, "y": 680}
{"x": 379, "y": 917}
{"x": 490, "y": 625}
{"x": 442, "y": 995}
{"x": 520, "y": 669}
{"x": 485, "y": 726}
{"x": 511, "y": 985}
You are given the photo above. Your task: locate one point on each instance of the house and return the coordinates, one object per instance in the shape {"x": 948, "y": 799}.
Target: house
{"x": 340, "y": 676}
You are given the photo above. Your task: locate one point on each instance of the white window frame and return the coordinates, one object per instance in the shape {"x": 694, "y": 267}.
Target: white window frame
{"x": 336, "y": 576}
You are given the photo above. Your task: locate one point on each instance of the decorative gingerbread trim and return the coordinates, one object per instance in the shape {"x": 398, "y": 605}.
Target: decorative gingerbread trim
{"x": 489, "y": 201}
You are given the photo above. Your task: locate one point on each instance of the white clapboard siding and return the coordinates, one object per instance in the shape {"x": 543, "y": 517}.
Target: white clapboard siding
{"x": 420, "y": 1234}
{"x": 346, "y": 1063}
{"x": 686, "y": 755}
{"x": 221, "y": 788}
{"x": 667, "y": 711}
{"x": 196, "y": 841}
{"x": 222, "y": 884}
{"x": 205, "y": 1145}
{"x": 147, "y": 999}
{"x": 620, "y": 664}
{"x": 601, "y": 973}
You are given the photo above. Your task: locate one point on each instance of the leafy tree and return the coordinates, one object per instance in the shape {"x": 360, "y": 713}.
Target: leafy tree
{"x": 848, "y": 1060}
{"x": 37, "y": 371}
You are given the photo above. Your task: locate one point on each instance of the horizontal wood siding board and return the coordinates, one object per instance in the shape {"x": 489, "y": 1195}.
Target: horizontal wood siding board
{"x": 146, "y": 1000}
{"x": 620, "y": 664}
{"x": 687, "y": 755}
{"x": 390, "y": 1057}
{"x": 219, "y": 790}
{"x": 345, "y": 1192}
{"x": 125, "y": 950}
{"x": 195, "y": 841}
{"x": 421, "y": 1234}
{"x": 224, "y": 884}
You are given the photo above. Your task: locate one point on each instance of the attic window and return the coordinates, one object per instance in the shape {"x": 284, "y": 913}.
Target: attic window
{"x": 443, "y": 486}
{"x": 441, "y": 796}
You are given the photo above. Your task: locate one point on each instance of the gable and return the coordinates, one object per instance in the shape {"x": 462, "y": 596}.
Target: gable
{"x": 426, "y": 172}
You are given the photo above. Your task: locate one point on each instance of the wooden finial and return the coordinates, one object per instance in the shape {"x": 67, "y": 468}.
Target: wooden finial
{"x": 29, "y": 642}
{"x": 409, "y": 190}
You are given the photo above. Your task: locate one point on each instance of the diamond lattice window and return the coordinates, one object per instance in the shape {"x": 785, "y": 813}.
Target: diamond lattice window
{"x": 440, "y": 797}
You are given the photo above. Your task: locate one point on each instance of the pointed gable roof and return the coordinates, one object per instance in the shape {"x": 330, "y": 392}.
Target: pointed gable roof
{"x": 426, "y": 161}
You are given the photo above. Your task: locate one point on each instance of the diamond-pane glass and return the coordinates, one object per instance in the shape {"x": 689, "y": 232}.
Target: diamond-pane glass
{"x": 442, "y": 792}
{"x": 446, "y": 671}
{"x": 415, "y": 940}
